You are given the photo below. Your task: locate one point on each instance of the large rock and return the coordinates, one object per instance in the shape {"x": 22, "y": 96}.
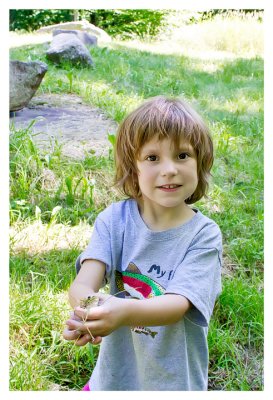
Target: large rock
{"x": 67, "y": 47}
{"x": 85, "y": 38}
{"x": 24, "y": 80}
{"x": 79, "y": 25}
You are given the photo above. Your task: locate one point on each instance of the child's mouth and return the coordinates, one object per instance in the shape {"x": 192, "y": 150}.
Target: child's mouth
{"x": 169, "y": 188}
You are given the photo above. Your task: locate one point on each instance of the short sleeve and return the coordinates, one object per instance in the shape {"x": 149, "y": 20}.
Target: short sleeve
{"x": 198, "y": 277}
{"x": 99, "y": 248}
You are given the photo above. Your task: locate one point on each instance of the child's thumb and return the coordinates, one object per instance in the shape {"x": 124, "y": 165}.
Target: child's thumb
{"x": 103, "y": 297}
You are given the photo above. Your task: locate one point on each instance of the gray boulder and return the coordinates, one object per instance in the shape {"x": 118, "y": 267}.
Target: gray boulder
{"x": 24, "y": 80}
{"x": 85, "y": 38}
{"x": 67, "y": 47}
{"x": 78, "y": 25}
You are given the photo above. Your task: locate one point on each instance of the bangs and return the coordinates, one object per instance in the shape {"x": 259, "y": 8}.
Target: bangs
{"x": 167, "y": 121}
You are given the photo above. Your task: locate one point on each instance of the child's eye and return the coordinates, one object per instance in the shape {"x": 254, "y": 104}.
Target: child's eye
{"x": 183, "y": 156}
{"x": 151, "y": 158}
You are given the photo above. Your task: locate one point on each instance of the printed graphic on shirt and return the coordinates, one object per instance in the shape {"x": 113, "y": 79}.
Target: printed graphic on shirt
{"x": 156, "y": 269}
{"x": 138, "y": 286}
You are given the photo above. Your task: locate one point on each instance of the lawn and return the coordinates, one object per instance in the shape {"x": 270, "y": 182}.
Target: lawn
{"x": 223, "y": 79}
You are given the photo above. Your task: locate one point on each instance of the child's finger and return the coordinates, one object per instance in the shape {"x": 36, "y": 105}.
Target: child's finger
{"x": 80, "y": 313}
{"x": 81, "y": 327}
{"x": 74, "y": 316}
{"x": 97, "y": 340}
{"x": 87, "y": 314}
{"x": 103, "y": 297}
{"x": 71, "y": 335}
{"x": 73, "y": 324}
{"x": 83, "y": 340}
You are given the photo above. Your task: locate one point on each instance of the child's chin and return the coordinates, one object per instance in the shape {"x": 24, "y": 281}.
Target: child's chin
{"x": 171, "y": 204}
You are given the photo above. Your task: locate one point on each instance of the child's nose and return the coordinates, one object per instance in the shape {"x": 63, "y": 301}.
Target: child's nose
{"x": 168, "y": 168}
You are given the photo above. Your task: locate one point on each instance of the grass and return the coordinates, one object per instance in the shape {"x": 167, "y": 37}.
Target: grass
{"x": 40, "y": 358}
{"x": 54, "y": 200}
{"x": 40, "y": 182}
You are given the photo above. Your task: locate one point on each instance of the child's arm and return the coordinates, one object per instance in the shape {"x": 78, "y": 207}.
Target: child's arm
{"x": 116, "y": 312}
{"x": 159, "y": 310}
{"x": 88, "y": 281}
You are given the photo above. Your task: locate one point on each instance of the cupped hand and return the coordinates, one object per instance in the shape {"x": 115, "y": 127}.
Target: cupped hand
{"x": 103, "y": 319}
{"x": 76, "y": 331}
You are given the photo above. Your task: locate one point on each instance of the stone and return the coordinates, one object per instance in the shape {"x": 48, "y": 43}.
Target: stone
{"x": 67, "y": 47}
{"x": 24, "y": 80}
{"x": 83, "y": 25}
{"x": 85, "y": 38}
{"x": 48, "y": 179}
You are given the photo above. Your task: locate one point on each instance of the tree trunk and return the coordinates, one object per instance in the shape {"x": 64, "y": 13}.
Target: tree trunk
{"x": 76, "y": 15}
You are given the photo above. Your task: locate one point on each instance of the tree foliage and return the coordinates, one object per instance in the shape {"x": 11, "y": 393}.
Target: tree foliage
{"x": 128, "y": 22}
{"x": 114, "y": 22}
{"x": 125, "y": 23}
{"x": 31, "y": 20}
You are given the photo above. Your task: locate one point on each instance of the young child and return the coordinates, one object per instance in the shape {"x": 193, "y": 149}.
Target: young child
{"x": 161, "y": 254}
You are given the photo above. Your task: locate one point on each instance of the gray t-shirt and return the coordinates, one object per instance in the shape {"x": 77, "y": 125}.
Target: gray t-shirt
{"x": 185, "y": 260}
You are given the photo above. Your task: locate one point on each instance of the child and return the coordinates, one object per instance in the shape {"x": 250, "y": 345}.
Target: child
{"x": 161, "y": 254}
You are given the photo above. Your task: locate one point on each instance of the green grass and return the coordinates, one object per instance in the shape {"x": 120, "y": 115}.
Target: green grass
{"x": 50, "y": 220}
{"x": 47, "y": 181}
{"x": 40, "y": 357}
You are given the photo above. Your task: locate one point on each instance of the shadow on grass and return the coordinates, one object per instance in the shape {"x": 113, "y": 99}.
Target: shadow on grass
{"x": 129, "y": 72}
{"x": 55, "y": 267}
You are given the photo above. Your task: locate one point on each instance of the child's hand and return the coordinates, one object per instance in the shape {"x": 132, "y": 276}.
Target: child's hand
{"x": 74, "y": 332}
{"x": 103, "y": 319}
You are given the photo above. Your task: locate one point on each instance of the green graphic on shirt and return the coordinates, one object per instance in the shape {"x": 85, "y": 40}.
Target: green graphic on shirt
{"x": 136, "y": 284}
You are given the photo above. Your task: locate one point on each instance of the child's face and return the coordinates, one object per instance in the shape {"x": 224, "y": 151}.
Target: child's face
{"x": 167, "y": 175}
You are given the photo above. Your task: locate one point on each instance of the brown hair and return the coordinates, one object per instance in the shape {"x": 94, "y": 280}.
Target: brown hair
{"x": 165, "y": 118}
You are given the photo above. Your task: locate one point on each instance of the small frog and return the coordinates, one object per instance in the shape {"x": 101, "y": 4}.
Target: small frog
{"x": 89, "y": 302}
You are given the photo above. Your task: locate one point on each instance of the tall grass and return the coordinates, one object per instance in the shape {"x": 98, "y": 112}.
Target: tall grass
{"x": 40, "y": 358}
{"x": 46, "y": 183}
{"x": 54, "y": 199}
{"x": 239, "y": 34}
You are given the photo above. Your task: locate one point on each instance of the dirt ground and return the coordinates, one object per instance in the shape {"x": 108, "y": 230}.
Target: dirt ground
{"x": 79, "y": 127}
